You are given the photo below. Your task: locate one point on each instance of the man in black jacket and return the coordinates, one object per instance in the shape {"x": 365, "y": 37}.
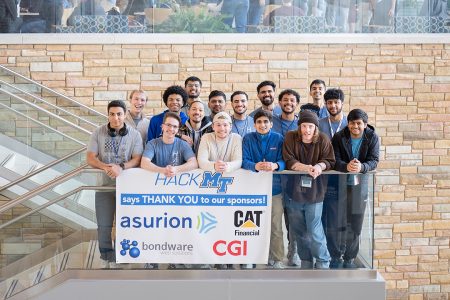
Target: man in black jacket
{"x": 357, "y": 150}
{"x": 9, "y": 21}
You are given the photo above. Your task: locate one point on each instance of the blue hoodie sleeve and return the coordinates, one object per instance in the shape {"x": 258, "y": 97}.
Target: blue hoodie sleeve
{"x": 247, "y": 161}
{"x": 280, "y": 161}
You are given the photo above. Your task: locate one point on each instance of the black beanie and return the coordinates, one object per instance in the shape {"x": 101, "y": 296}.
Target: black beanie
{"x": 308, "y": 117}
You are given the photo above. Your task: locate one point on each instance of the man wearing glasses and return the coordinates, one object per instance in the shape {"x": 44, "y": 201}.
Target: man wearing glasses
{"x": 112, "y": 148}
{"x": 168, "y": 154}
{"x": 174, "y": 98}
{"x": 193, "y": 87}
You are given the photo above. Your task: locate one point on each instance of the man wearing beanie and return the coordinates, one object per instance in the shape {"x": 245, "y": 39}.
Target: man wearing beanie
{"x": 333, "y": 211}
{"x": 310, "y": 152}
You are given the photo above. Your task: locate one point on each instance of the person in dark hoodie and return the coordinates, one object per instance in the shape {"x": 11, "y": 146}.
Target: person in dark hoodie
{"x": 196, "y": 125}
{"x": 357, "y": 151}
{"x": 308, "y": 151}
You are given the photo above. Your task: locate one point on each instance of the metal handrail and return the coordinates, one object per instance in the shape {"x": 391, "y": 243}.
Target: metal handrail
{"x": 46, "y": 112}
{"x": 43, "y": 188}
{"x": 41, "y": 169}
{"x": 59, "y": 198}
{"x": 56, "y": 107}
{"x": 43, "y": 125}
{"x": 11, "y": 72}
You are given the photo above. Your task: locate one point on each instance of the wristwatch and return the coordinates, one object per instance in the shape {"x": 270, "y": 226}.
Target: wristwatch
{"x": 122, "y": 165}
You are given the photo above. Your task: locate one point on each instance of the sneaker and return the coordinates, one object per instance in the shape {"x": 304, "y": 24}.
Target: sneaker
{"x": 246, "y": 266}
{"x": 350, "y": 264}
{"x": 278, "y": 265}
{"x": 294, "y": 260}
{"x": 151, "y": 266}
{"x": 114, "y": 265}
{"x": 336, "y": 263}
{"x": 271, "y": 261}
{"x": 104, "y": 264}
{"x": 306, "y": 265}
{"x": 322, "y": 265}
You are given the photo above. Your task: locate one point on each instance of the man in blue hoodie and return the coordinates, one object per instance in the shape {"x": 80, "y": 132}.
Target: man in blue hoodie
{"x": 262, "y": 152}
{"x": 357, "y": 151}
{"x": 174, "y": 98}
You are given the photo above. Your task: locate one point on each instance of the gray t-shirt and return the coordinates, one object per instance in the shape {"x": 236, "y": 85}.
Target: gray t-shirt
{"x": 114, "y": 150}
{"x": 242, "y": 127}
{"x": 162, "y": 154}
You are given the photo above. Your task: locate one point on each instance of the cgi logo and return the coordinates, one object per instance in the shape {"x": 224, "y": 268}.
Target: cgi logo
{"x": 130, "y": 248}
{"x": 233, "y": 248}
{"x": 248, "y": 222}
{"x": 216, "y": 181}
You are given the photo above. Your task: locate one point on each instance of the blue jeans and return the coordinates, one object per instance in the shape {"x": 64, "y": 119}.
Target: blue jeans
{"x": 254, "y": 12}
{"x": 305, "y": 222}
{"x": 237, "y": 10}
{"x": 105, "y": 209}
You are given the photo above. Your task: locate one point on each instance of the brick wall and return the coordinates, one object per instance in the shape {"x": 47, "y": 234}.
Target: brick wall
{"x": 405, "y": 88}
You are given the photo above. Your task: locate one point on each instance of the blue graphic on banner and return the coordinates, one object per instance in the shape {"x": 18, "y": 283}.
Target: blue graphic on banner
{"x": 193, "y": 200}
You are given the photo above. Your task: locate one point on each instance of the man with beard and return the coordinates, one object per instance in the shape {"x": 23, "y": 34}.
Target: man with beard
{"x": 287, "y": 121}
{"x": 135, "y": 117}
{"x": 289, "y": 101}
{"x": 334, "y": 100}
{"x": 113, "y": 147}
{"x": 242, "y": 123}
{"x": 333, "y": 210}
{"x": 217, "y": 102}
{"x": 266, "y": 94}
{"x": 174, "y": 98}
{"x": 193, "y": 87}
{"x": 197, "y": 125}
{"x": 316, "y": 91}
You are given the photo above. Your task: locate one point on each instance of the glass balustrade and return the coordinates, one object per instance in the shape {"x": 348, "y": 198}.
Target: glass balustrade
{"x": 175, "y": 16}
{"x": 56, "y": 229}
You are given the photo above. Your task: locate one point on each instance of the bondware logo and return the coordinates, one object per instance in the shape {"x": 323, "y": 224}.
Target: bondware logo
{"x": 130, "y": 248}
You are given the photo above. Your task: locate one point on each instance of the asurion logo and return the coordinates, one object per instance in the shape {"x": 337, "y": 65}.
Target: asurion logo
{"x": 206, "y": 222}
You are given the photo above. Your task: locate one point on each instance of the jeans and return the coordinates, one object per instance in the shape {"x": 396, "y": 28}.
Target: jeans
{"x": 254, "y": 12}
{"x": 305, "y": 221}
{"x": 238, "y": 10}
{"x": 356, "y": 206}
{"x": 105, "y": 209}
{"x": 334, "y": 215}
{"x": 336, "y": 15}
{"x": 276, "y": 234}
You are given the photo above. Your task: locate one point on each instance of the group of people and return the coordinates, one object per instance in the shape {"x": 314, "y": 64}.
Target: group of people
{"x": 191, "y": 134}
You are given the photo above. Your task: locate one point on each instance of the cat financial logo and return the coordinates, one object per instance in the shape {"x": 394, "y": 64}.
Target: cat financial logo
{"x": 247, "y": 222}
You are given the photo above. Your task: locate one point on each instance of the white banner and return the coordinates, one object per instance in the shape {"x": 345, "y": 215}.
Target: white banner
{"x": 194, "y": 218}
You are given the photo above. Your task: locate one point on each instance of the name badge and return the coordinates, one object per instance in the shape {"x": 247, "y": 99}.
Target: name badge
{"x": 306, "y": 181}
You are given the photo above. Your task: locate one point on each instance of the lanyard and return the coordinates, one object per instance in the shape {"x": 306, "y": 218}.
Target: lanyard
{"x": 172, "y": 160}
{"x": 331, "y": 127}
{"x": 217, "y": 148}
{"x": 116, "y": 147}
{"x": 243, "y": 128}
{"x": 287, "y": 129}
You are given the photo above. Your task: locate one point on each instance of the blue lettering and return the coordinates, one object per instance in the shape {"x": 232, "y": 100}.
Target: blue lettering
{"x": 164, "y": 221}
{"x": 180, "y": 182}
{"x": 216, "y": 181}
{"x": 159, "y": 179}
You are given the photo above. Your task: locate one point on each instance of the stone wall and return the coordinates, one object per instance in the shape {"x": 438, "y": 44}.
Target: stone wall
{"x": 404, "y": 87}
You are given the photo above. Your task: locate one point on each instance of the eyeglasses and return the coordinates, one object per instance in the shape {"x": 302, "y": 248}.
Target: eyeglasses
{"x": 175, "y": 127}
{"x": 191, "y": 85}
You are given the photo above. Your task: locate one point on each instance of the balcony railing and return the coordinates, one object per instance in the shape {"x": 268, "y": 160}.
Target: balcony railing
{"x": 175, "y": 16}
